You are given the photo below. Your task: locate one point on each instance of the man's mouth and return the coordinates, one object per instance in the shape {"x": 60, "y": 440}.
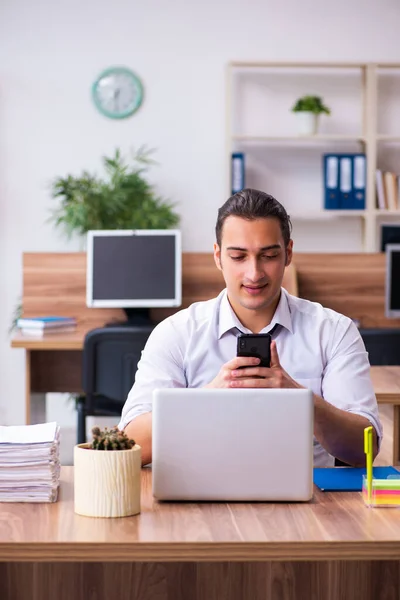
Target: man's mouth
{"x": 254, "y": 289}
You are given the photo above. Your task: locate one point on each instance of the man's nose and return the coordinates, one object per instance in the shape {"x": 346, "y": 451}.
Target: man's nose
{"x": 254, "y": 272}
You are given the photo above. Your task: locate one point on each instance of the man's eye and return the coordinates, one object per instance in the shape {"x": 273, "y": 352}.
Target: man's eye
{"x": 237, "y": 257}
{"x": 269, "y": 256}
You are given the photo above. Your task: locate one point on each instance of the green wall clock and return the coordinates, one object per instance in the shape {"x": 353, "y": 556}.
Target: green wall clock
{"x": 117, "y": 92}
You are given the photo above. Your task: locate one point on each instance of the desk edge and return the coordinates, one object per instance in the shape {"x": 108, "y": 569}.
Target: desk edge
{"x": 198, "y": 551}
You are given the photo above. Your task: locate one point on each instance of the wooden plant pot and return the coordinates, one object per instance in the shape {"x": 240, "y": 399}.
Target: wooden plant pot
{"x": 107, "y": 482}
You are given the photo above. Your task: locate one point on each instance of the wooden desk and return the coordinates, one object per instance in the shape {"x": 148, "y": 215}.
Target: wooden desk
{"x": 326, "y": 549}
{"x": 55, "y": 283}
{"x": 52, "y": 363}
{"x": 386, "y": 382}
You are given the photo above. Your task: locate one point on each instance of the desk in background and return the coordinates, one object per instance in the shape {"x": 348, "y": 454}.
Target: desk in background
{"x": 55, "y": 283}
{"x": 333, "y": 547}
{"x": 54, "y": 364}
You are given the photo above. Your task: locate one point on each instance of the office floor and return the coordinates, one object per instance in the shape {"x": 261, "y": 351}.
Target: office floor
{"x": 68, "y": 438}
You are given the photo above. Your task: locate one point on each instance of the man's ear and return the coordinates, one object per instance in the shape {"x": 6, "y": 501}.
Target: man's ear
{"x": 289, "y": 253}
{"x": 217, "y": 256}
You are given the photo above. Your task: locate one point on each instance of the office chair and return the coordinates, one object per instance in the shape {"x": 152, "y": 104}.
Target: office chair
{"x": 109, "y": 364}
{"x": 382, "y": 345}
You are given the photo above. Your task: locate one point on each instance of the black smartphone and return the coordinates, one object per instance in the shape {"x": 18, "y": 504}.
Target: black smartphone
{"x": 255, "y": 344}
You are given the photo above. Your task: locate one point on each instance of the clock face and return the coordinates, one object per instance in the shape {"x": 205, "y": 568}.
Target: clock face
{"x": 117, "y": 93}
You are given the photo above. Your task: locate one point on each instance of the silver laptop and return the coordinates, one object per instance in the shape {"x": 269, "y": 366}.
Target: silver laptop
{"x": 228, "y": 444}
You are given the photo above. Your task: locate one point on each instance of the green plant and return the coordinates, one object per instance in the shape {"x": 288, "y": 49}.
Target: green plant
{"x": 110, "y": 439}
{"x": 312, "y": 104}
{"x": 17, "y": 314}
{"x": 121, "y": 200}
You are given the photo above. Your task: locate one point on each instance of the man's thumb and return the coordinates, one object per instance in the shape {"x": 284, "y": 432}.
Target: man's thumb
{"x": 274, "y": 355}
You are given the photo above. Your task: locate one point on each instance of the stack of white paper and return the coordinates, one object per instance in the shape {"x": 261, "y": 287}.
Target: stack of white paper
{"x": 29, "y": 463}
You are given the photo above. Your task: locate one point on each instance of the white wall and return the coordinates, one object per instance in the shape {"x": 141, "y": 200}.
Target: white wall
{"x": 52, "y": 51}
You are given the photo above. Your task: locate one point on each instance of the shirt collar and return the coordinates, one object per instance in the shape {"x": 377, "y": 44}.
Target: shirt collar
{"x": 228, "y": 319}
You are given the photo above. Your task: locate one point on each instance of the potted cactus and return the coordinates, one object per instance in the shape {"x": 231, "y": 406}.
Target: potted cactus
{"x": 107, "y": 475}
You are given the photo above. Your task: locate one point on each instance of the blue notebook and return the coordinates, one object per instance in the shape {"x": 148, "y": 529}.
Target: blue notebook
{"x": 347, "y": 479}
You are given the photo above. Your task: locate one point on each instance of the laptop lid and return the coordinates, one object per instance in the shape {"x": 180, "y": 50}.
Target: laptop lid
{"x": 229, "y": 444}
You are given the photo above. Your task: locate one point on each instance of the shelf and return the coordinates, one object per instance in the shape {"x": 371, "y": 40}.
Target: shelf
{"x": 299, "y": 138}
{"x": 388, "y": 138}
{"x": 296, "y": 65}
{"x": 310, "y": 65}
{"x": 276, "y": 141}
{"x": 327, "y": 214}
{"x": 386, "y": 213}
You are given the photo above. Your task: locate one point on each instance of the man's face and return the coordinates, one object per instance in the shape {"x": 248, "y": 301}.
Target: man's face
{"x": 252, "y": 259}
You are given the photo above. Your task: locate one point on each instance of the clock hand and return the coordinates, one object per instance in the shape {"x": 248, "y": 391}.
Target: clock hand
{"x": 116, "y": 98}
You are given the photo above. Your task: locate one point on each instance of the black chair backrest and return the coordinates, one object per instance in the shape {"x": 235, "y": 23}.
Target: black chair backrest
{"x": 382, "y": 345}
{"x": 110, "y": 358}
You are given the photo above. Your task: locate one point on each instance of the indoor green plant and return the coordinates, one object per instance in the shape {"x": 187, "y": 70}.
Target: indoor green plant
{"x": 123, "y": 199}
{"x": 307, "y": 110}
{"x": 107, "y": 474}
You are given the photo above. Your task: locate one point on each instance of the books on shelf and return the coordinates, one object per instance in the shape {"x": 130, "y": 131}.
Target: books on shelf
{"x": 29, "y": 463}
{"x": 344, "y": 181}
{"x": 387, "y": 190}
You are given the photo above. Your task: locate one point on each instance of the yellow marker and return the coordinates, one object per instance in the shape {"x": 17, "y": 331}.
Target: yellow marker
{"x": 369, "y": 451}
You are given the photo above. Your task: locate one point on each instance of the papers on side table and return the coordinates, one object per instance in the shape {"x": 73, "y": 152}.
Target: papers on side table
{"x": 29, "y": 463}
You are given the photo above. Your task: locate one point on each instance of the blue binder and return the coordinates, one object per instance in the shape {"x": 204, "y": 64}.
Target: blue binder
{"x": 347, "y": 479}
{"x": 331, "y": 181}
{"x": 359, "y": 181}
{"x": 237, "y": 172}
{"x": 346, "y": 181}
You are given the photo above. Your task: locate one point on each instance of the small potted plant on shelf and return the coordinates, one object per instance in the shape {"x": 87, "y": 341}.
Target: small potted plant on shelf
{"x": 307, "y": 110}
{"x": 107, "y": 474}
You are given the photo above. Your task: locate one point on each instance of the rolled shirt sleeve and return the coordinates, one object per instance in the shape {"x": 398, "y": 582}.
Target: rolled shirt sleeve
{"x": 346, "y": 381}
{"x": 160, "y": 366}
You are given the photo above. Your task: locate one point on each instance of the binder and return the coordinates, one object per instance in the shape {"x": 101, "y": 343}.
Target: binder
{"x": 347, "y": 479}
{"x": 345, "y": 181}
{"x": 237, "y": 172}
{"x": 331, "y": 181}
{"x": 359, "y": 182}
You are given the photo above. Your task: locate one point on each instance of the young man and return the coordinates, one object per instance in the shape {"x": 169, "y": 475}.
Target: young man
{"x": 312, "y": 347}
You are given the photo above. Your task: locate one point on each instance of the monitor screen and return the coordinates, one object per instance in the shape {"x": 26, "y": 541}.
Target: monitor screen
{"x": 390, "y": 234}
{"x": 139, "y": 268}
{"x": 392, "y": 292}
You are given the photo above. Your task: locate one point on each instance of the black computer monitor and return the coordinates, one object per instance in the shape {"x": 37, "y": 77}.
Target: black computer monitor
{"x": 390, "y": 234}
{"x": 392, "y": 288}
{"x": 134, "y": 270}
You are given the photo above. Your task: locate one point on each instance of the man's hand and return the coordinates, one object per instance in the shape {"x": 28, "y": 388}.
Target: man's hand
{"x": 225, "y": 378}
{"x": 262, "y": 377}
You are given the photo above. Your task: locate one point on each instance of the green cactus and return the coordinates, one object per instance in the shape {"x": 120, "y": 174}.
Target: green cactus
{"x": 110, "y": 439}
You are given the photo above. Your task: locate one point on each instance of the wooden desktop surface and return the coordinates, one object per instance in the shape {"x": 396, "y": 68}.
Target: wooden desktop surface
{"x": 328, "y": 548}
{"x": 386, "y": 382}
{"x": 72, "y": 340}
{"x": 331, "y": 526}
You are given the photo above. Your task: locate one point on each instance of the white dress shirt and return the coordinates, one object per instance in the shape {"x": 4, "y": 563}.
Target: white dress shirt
{"x": 318, "y": 347}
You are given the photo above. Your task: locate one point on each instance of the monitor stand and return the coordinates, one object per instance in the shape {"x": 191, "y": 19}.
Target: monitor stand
{"x": 135, "y": 317}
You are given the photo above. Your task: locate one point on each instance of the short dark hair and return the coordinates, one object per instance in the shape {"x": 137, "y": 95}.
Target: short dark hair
{"x": 252, "y": 204}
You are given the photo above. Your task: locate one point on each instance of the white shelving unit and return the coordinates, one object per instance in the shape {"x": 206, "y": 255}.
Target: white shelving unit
{"x": 368, "y": 140}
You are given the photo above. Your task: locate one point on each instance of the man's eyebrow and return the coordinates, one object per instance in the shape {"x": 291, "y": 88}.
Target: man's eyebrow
{"x": 263, "y": 249}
